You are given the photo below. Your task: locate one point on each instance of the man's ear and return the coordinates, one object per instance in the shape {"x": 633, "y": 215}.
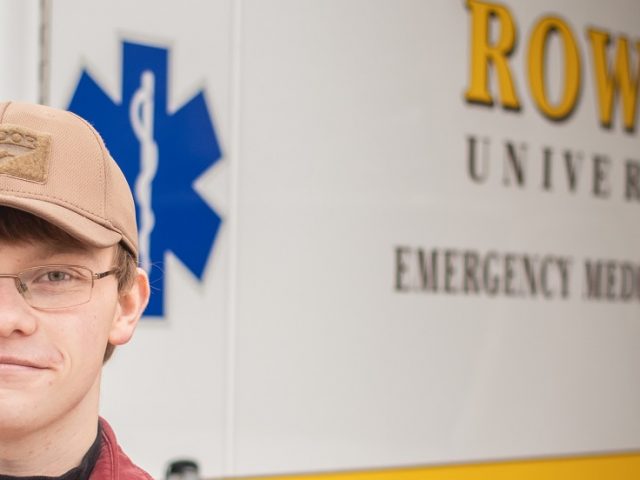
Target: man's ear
{"x": 131, "y": 304}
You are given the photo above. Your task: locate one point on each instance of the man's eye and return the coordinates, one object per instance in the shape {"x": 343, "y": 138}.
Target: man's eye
{"x": 57, "y": 276}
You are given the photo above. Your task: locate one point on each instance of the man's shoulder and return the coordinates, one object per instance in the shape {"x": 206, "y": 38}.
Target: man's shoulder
{"x": 113, "y": 463}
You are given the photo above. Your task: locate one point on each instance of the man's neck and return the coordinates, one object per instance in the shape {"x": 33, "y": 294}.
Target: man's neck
{"x": 55, "y": 448}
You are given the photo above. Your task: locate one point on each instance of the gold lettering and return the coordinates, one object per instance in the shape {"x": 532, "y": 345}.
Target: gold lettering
{"x": 537, "y": 69}
{"x": 484, "y": 54}
{"x": 619, "y": 79}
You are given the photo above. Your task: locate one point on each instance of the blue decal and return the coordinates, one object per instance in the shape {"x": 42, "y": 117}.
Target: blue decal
{"x": 161, "y": 155}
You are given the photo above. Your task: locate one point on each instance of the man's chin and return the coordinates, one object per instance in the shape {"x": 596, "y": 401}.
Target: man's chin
{"x": 16, "y": 425}
{"x": 25, "y": 381}
{"x": 22, "y": 411}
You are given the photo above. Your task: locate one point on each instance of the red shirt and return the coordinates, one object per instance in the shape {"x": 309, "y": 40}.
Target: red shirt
{"x": 113, "y": 463}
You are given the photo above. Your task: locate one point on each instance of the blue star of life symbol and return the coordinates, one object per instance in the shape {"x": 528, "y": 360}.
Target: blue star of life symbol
{"x": 161, "y": 155}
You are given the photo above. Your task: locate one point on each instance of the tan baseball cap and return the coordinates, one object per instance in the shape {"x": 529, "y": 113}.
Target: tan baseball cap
{"x": 54, "y": 165}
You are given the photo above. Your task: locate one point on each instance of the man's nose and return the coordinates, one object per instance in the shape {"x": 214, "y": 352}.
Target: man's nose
{"x": 16, "y": 316}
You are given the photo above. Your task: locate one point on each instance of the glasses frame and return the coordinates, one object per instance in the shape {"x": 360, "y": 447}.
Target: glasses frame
{"x": 22, "y": 288}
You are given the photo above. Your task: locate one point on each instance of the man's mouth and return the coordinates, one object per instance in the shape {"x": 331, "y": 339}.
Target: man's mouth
{"x": 16, "y": 362}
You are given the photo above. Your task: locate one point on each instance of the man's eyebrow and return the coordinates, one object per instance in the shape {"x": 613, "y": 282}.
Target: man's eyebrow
{"x": 47, "y": 251}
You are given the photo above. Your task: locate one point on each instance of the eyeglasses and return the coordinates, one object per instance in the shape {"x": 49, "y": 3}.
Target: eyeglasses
{"x": 50, "y": 287}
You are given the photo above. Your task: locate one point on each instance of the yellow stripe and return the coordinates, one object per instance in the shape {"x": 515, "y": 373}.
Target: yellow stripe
{"x": 614, "y": 467}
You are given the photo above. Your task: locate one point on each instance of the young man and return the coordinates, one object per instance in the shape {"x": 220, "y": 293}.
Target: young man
{"x": 70, "y": 292}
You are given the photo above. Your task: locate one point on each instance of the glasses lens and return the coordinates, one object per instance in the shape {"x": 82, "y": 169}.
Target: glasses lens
{"x": 56, "y": 286}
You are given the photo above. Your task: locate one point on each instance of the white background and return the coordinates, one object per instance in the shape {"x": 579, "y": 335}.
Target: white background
{"x": 343, "y": 129}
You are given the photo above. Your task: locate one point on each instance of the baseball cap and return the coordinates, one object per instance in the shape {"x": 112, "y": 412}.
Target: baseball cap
{"x": 53, "y": 164}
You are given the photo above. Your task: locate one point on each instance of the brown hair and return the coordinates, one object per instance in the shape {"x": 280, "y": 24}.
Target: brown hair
{"x": 17, "y": 226}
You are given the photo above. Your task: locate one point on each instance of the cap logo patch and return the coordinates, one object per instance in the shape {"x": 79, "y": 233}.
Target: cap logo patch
{"x": 24, "y": 153}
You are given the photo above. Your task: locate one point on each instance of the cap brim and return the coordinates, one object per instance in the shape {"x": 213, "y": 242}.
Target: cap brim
{"x": 75, "y": 224}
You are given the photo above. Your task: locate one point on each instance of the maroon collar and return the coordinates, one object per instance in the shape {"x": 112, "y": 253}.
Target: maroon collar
{"x": 113, "y": 463}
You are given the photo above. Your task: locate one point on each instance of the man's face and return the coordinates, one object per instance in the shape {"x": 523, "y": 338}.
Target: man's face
{"x": 50, "y": 361}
